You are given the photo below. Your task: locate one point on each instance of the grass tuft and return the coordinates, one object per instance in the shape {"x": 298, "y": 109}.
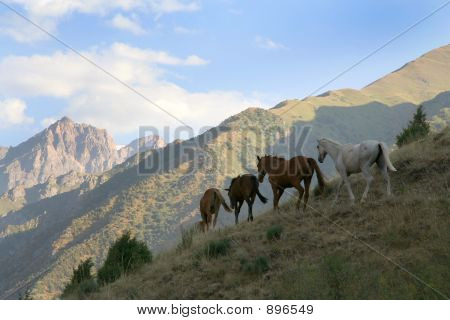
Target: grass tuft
{"x": 216, "y": 248}
{"x": 274, "y": 232}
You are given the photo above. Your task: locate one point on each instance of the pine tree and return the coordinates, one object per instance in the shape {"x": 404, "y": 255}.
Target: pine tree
{"x": 82, "y": 281}
{"x": 125, "y": 255}
{"x": 417, "y": 128}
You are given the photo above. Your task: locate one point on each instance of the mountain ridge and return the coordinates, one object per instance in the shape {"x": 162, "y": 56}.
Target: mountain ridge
{"x": 417, "y": 81}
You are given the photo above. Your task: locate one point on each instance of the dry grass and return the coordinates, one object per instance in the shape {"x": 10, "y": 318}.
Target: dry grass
{"x": 315, "y": 259}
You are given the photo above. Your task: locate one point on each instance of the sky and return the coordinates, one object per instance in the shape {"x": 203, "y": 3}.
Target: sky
{"x": 200, "y": 60}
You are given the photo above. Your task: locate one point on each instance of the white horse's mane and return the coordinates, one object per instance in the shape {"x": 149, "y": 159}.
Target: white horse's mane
{"x": 331, "y": 141}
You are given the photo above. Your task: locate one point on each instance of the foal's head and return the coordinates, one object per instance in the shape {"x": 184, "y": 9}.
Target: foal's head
{"x": 261, "y": 168}
{"x": 322, "y": 151}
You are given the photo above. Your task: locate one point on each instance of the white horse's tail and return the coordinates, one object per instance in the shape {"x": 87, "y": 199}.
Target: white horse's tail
{"x": 385, "y": 151}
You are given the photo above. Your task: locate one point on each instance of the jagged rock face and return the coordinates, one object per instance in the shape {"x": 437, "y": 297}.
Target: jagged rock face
{"x": 53, "y": 186}
{"x": 141, "y": 145}
{"x": 63, "y": 147}
{"x": 3, "y": 152}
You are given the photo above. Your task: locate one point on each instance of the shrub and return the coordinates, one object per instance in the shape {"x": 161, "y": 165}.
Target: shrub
{"x": 216, "y": 248}
{"x": 256, "y": 266}
{"x": 417, "y": 128}
{"x": 274, "y": 232}
{"x": 82, "y": 281}
{"x": 125, "y": 255}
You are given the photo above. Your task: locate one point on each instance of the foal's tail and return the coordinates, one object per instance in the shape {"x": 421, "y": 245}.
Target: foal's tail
{"x": 222, "y": 201}
{"x": 319, "y": 173}
{"x": 256, "y": 186}
{"x": 384, "y": 150}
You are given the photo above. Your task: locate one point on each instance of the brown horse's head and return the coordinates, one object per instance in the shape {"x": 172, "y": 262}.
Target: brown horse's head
{"x": 261, "y": 168}
{"x": 322, "y": 152}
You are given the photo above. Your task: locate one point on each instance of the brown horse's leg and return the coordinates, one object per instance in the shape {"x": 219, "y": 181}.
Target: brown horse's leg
{"x": 207, "y": 223}
{"x": 300, "y": 189}
{"x": 280, "y": 193}
{"x": 250, "y": 208}
{"x": 307, "y": 184}
{"x": 275, "y": 197}
{"x": 237, "y": 209}
{"x": 216, "y": 211}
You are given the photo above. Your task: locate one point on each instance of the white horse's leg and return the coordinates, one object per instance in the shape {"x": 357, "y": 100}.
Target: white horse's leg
{"x": 385, "y": 174}
{"x": 341, "y": 182}
{"x": 349, "y": 188}
{"x": 368, "y": 177}
{"x": 384, "y": 171}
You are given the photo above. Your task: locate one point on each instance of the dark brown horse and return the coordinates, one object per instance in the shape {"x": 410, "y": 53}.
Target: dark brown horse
{"x": 210, "y": 205}
{"x": 289, "y": 173}
{"x": 244, "y": 188}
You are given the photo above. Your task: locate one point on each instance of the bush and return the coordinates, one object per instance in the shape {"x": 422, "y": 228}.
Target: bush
{"x": 274, "y": 232}
{"x": 256, "y": 266}
{"x": 417, "y": 128}
{"x": 125, "y": 255}
{"x": 215, "y": 248}
{"x": 82, "y": 281}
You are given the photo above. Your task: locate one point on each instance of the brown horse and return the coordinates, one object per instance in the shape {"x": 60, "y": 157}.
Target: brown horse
{"x": 209, "y": 206}
{"x": 289, "y": 173}
{"x": 244, "y": 188}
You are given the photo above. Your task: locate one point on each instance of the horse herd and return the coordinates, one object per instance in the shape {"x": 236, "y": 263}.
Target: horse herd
{"x": 283, "y": 174}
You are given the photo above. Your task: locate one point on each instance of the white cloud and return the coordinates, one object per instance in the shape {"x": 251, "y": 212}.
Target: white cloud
{"x": 183, "y": 30}
{"x": 48, "y": 14}
{"x": 128, "y": 24}
{"x": 95, "y": 98}
{"x": 156, "y": 57}
{"x": 268, "y": 44}
{"x": 58, "y": 8}
{"x": 167, "y": 6}
{"x": 12, "y": 112}
{"x": 24, "y": 32}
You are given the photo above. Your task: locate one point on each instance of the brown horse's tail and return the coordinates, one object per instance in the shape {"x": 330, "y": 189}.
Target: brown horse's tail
{"x": 319, "y": 173}
{"x": 256, "y": 186}
{"x": 222, "y": 201}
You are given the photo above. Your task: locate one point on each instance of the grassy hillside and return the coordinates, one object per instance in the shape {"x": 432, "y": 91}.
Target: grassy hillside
{"x": 316, "y": 257}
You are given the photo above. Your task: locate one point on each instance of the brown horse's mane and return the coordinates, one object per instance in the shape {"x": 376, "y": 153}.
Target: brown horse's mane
{"x": 274, "y": 157}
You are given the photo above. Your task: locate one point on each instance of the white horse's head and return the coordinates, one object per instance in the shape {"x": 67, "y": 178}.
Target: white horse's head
{"x": 321, "y": 150}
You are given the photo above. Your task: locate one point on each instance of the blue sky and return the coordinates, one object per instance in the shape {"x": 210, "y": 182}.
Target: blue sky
{"x": 202, "y": 60}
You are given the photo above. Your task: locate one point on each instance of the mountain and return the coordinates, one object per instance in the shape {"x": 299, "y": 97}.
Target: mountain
{"x": 58, "y": 150}
{"x": 142, "y": 144}
{"x": 417, "y": 81}
{"x": 3, "y": 151}
{"x": 42, "y": 242}
{"x": 52, "y": 187}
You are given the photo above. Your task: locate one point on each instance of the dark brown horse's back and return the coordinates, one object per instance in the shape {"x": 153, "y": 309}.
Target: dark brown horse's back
{"x": 246, "y": 186}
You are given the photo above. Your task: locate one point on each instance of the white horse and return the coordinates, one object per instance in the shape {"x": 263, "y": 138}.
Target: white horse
{"x": 349, "y": 159}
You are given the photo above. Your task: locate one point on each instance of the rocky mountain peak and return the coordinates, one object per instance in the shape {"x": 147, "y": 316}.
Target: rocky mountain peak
{"x": 63, "y": 147}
